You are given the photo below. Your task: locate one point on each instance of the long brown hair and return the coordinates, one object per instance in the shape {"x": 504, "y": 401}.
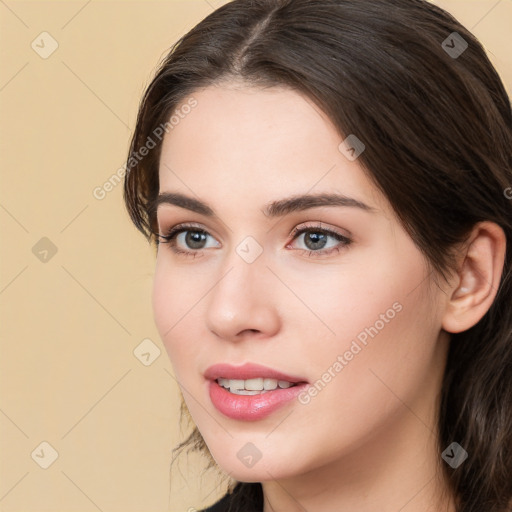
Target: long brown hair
{"x": 437, "y": 125}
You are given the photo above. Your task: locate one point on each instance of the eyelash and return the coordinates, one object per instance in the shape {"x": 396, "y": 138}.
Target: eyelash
{"x": 173, "y": 232}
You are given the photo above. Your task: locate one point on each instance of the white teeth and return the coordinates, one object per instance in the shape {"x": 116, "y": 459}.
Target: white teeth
{"x": 245, "y": 392}
{"x": 223, "y": 382}
{"x": 269, "y": 383}
{"x": 253, "y": 386}
{"x": 236, "y": 384}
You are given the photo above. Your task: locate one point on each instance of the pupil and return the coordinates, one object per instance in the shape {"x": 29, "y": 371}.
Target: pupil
{"x": 195, "y": 239}
{"x": 318, "y": 240}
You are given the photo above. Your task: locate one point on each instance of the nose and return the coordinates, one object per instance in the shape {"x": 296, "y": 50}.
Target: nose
{"x": 241, "y": 303}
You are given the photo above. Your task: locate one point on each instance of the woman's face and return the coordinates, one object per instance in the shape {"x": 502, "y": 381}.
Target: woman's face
{"x": 359, "y": 321}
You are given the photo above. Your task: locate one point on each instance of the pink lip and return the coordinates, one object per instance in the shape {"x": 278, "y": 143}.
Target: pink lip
{"x": 250, "y": 407}
{"x": 247, "y": 371}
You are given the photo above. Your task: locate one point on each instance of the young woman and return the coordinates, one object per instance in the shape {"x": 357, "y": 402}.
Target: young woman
{"x": 328, "y": 185}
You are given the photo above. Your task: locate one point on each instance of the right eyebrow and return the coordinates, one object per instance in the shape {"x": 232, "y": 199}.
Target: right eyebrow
{"x": 183, "y": 201}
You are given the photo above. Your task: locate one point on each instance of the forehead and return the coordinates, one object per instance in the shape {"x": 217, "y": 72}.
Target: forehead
{"x": 257, "y": 144}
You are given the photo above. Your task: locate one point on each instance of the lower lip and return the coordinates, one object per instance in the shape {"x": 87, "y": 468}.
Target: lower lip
{"x": 251, "y": 407}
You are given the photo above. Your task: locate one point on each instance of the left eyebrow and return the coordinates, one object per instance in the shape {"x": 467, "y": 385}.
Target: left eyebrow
{"x": 277, "y": 208}
{"x": 305, "y": 202}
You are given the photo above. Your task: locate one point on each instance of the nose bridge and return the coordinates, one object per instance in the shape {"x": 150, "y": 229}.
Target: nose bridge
{"x": 240, "y": 299}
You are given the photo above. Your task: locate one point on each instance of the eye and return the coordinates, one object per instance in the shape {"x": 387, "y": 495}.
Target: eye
{"x": 318, "y": 241}
{"x": 191, "y": 239}
{"x": 187, "y": 239}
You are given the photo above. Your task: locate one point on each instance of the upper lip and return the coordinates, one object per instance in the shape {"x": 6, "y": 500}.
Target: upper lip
{"x": 248, "y": 371}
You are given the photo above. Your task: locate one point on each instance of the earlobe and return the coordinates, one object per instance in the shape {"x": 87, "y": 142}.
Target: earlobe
{"x": 478, "y": 278}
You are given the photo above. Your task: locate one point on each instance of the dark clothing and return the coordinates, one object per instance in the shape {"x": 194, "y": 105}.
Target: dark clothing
{"x": 246, "y": 497}
{"x": 219, "y": 506}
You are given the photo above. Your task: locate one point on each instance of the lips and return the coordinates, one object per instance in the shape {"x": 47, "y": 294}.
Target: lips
{"x": 250, "y": 407}
{"x": 249, "y": 371}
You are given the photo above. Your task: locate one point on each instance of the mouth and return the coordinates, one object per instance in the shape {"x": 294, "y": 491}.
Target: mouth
{"x": 268, "y": 390}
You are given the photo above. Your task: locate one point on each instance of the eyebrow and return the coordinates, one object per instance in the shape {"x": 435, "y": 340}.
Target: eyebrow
{"x": 276, "y": 208}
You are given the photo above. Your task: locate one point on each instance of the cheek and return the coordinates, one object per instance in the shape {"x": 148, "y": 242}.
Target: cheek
{"x": 172, "y": 297}
{"x": 373, "y": 368}
{"x": 384, "y": 328}
{"x": 367, "y": 287}
{"x": 178, "y": 299}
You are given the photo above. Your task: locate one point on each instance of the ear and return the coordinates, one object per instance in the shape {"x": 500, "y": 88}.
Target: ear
{"x": 478, "y": 279}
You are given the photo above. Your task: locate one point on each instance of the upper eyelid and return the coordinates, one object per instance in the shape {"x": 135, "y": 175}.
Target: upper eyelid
{"x": 190, "y": 225}
{"x": 181, "y": 226}
{"x": 321, "y": 227}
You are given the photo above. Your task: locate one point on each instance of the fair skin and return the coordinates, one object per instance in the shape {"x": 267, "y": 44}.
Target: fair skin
{"x": 367, "y": 440}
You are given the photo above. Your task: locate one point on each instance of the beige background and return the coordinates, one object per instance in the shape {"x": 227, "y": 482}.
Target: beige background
{"x": 70, "y": 322}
